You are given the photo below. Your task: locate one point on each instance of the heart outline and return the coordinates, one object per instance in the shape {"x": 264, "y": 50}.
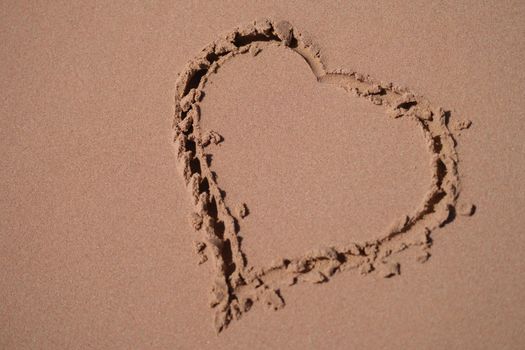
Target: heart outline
{"x": 238, "y": 285}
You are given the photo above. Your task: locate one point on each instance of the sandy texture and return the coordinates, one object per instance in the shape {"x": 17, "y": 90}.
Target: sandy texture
{"x": 105, "y": 246}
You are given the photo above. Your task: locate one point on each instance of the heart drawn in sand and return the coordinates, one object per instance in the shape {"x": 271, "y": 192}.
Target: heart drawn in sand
{"x": 237, "y": 285}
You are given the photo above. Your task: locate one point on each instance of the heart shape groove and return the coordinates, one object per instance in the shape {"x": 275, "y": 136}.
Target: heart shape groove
{"x": 237, "y": 285}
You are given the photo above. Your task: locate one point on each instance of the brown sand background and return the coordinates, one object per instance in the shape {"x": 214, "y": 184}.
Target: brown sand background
{"x": 95, "y": 246}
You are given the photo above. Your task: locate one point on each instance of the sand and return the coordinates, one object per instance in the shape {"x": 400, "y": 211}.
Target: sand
{"x": 180, "y": 175}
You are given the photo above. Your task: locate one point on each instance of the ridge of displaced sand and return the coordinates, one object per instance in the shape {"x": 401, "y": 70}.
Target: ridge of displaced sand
{"x": 237, "y": 285}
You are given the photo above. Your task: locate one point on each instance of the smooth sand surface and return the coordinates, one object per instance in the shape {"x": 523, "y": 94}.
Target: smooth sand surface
{"x": 96, "y": 250}
{"x": 316, "y": 160}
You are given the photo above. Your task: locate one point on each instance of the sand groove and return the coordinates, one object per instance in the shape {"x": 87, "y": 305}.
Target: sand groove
{"x": 237, "y": 285}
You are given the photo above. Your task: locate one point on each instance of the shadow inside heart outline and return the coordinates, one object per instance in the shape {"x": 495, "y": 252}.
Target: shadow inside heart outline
{"x": 237, "y": 285}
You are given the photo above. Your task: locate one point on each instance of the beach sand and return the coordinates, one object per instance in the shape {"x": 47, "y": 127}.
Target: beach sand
{"x": 182, "y": 175}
